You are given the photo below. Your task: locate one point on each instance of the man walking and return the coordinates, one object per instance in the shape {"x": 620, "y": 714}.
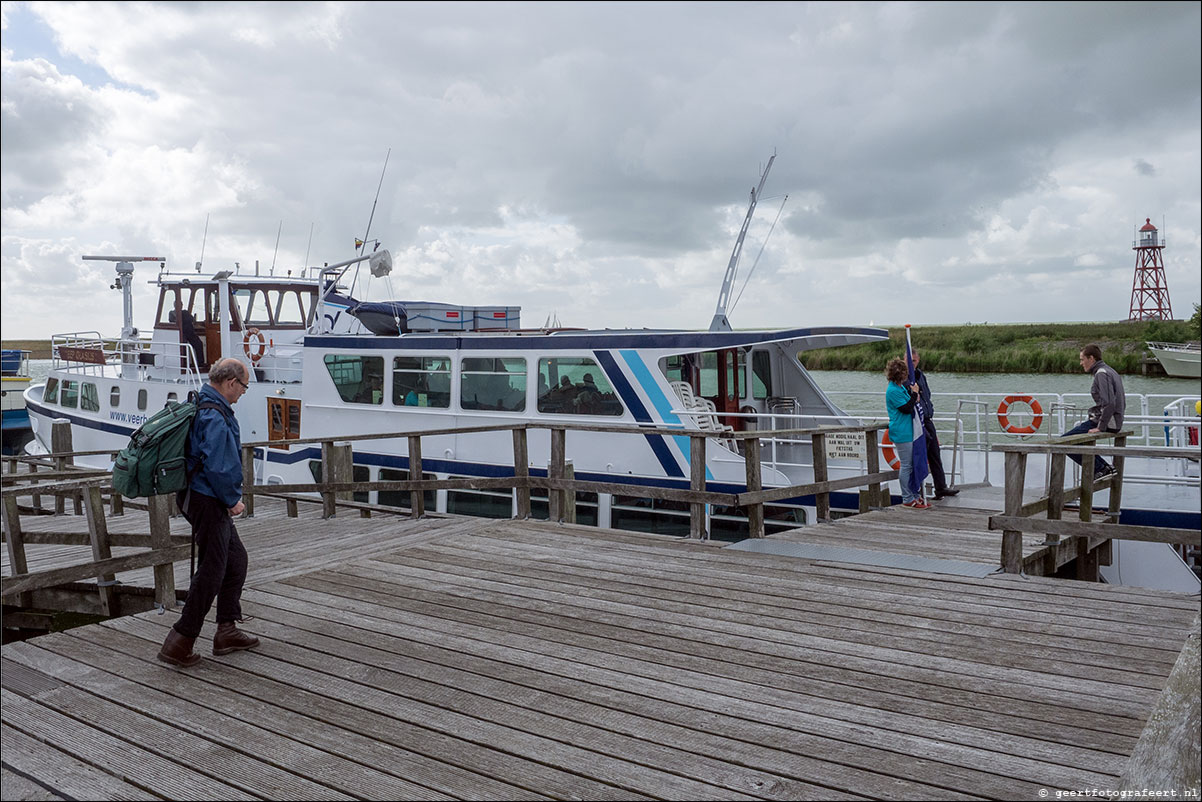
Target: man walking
{"x": 1110, "y": 404}
{"x": 934, "y": 458}
{"x": 212, "y": 498}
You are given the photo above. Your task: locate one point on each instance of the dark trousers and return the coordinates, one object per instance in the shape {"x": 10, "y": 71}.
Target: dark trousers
{"x": 934, "y": 459}
{"x": 221, "y": 566}
{"x": 1083, "y": 427}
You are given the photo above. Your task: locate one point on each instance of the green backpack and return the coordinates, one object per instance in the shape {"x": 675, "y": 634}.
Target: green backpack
{"x": 156, "y": 460}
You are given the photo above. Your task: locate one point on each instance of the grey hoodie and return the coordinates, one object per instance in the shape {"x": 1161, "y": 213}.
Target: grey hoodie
{"x": 1110, "y": 402}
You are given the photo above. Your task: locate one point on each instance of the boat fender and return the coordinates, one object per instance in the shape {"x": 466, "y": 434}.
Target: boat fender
{"x": 889, "y": 452}
{"x": 1003, "y": 412}
{"x": 254, "y": 335}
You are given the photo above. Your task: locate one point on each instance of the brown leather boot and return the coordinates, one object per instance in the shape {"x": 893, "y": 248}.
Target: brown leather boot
{"x": 231, "y": 639}
{"x": 177, "y": 650}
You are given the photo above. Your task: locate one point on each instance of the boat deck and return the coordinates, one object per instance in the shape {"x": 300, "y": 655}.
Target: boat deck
{"x": 463, "y": 658}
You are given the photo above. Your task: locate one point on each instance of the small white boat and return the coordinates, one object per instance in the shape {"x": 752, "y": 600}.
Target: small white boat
{"x": 1183, "y": 360}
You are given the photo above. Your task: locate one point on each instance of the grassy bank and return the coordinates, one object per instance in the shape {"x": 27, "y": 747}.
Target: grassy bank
{"x": 39, "y": 349}
{"x": 1019, "y": 348}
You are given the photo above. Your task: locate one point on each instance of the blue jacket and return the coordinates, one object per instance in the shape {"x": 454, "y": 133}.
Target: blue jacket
{"x": 924, "y": 394}
{"x": 900, "y": 403}
{"x": 216, "y": 443}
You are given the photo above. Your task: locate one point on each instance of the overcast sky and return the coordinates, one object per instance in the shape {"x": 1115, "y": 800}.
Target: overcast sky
{"x": 943, "y": 162}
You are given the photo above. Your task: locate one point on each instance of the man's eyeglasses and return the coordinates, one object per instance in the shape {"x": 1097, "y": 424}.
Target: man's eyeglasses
{"x": 245, "y": 386}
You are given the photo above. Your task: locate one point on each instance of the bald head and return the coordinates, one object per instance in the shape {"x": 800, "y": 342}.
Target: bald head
{"x": 229, "y": 378}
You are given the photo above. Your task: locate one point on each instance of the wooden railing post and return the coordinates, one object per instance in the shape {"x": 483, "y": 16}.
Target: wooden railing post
{"x": 1116, "y": 483}
{"x": 248, "y": 480}
{"x": 521, "y": 471}
{"x": 697, "y": 485}
{"x": 755, "y": 512}
{"x": 1012, "y": 540}
{"x": 822, "y": 499}
{"x": 160, "y": 538}
{"x": 338, "y": 469}
{"x": 98, "y": 534}
{"x": 569, "y": 496}
{"x": 555, "y": 470}
{"x": 15, "y": 541}
{"x": 60, "y": 443}
{"x": 873, "y": 454}
{"x": 417, "y": 498}
{"x": 36, "y": 500}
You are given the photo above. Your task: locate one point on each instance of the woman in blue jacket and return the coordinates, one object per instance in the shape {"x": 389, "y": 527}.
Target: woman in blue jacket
{"x": 899, "y": 401}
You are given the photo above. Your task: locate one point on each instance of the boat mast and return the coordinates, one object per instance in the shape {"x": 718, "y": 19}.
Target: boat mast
{"x": 720, "y": 323}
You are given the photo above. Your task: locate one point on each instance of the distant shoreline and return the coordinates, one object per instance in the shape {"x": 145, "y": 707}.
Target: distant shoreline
{"x": 1013, "y": 348}
{"x": 38, "y": 349}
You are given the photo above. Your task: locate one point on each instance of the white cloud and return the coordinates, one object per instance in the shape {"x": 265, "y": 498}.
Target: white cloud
{"x": 984, "y": 160}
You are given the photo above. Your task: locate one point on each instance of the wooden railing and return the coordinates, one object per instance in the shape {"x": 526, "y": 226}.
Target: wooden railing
{"x": 163, "y": 550}
{"x": 88, "y": 486}
{"x": 337, "y": 484}
{"x": 1090, "y": 536}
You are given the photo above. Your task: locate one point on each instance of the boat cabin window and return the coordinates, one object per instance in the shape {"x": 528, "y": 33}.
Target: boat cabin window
{"x": 89, "y": 399}
{"x": 575, "y": 386}
{"x": 197, "y": 301}
{"x": 290, "y": 308}
{"x": 493, "y": 383}
{"x": 50, "y": 394}
{"x": 253, "y": 307}
{"x": 402, "y": 498}
{"x": 359, "y": 473}
{"x": 142, "y": 400}
{"x": 115, "y": 396}
{"x": 421, "y": 381}
{"x": 761, "y": 374}
{"x": 70, "y": 394}
{"x": 358, "y": 379}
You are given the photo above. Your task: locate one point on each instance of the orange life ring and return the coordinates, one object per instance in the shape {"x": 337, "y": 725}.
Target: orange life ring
{"x": 254, "y": 334}
{"x": 889, "y": 452}
{"x": 1003, "y": 412}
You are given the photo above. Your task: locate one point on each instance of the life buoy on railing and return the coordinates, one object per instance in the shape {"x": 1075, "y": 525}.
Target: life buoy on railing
{"x": 889, "y": 452}
{"x": 254, "y": 335}
{"x": 1003, "y": 412}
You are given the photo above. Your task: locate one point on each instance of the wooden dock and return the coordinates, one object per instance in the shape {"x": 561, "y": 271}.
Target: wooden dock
{"x": 942, "y": 539}
{"x": 457, "y": 658}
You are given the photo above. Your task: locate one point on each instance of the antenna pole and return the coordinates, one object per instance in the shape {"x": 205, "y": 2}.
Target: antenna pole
{"x": 277, "y": 246}
{"x": 203, "y": 241}
{"x": 308, "y": 247}
{"x": 720, "y": 323}
{"x": 372, "y": 216}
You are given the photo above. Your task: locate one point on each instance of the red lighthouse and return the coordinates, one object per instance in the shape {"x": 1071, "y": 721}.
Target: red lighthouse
{"x": 1150, "y": 289}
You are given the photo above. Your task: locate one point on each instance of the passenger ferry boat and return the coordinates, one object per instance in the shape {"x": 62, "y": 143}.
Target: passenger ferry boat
{"x": 323, "y": 362}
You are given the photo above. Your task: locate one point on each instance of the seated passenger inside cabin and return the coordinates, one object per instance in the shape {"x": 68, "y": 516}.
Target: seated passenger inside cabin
{"x": 371, "y": 391}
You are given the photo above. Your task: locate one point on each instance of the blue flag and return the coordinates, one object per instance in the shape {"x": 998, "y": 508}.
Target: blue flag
{"x": 921, "y": 470}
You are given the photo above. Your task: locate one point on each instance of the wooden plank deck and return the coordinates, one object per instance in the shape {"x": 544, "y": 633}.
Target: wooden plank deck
{"x": 458, "y": 658}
